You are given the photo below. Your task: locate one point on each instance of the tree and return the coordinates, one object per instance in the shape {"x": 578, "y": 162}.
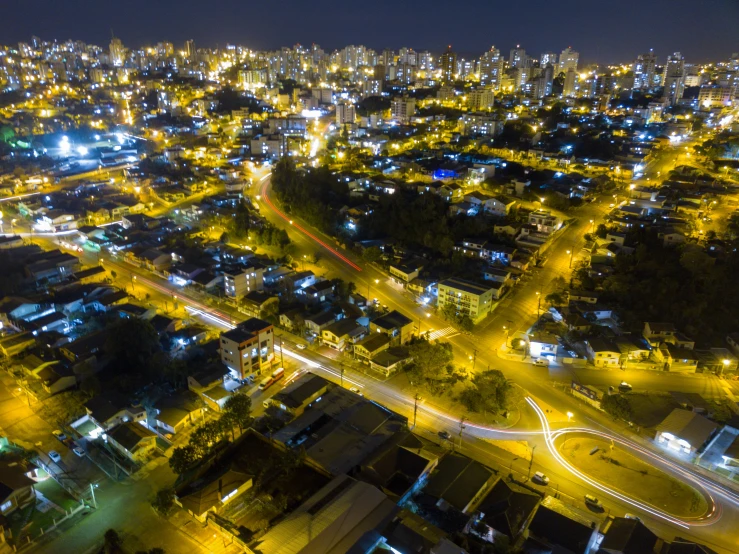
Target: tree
{"x": 164, "y": 501}
{"x": 617, "y": 406}
{"x": 224, "y": 238}
{"x": 238, "y": 408}
{"x": 205, "y": 437}
{"x": 132, "y": 343}
{"x": 554, "y": 299}
{"x": 372, "y": 254}
{"x": 491, "y": 391}
{"x": 112, "y": 541}
{"x": 431, "y": 361}
{"x": 271, "y": 312}
{"x": 183, "y": 458}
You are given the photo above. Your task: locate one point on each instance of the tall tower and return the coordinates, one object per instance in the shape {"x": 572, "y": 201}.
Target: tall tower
{"x": 190, "y": 49}
{"x": 491, "y": 68}
{"x": 568, "y": 60}
{"x": 569, "y": 84}
{"x": 117, "y": 52}
{"x": 448, "y": 65}
{"x": 674, "y": 78}
{"x": 644, "y": 71}
{"x": 517, "y": 57}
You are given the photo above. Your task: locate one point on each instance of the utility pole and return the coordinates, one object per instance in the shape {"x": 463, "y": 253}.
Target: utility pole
{"x": 341, "y": 366}
{"x": 461, "y": 428}
{"x": 282, "y": 360}
{"x": 531, "y": 462}
{"x": 416, "y": 398}
{"x": 92, "y": 492}
{"x": 474, "y": 358}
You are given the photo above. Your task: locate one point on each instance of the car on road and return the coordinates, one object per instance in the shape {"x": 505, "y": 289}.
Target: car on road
{"x": 540, "y": 478}
{"x": 541, "y": 362}
{"x": 592, "y": 501}
{"x": 355, "y": 390}
{"x": 446, "y": 435}
{"x": 632, "y": 516}
{"x": 300, "y": 346}
{"x": 59, "y": 435}
{"x": 55, "y": 456}
{"x": 79, "y": 451}
{"x": 624, "y": 386}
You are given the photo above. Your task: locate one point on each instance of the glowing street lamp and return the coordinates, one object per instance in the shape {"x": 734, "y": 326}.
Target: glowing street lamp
{"x": 570, "y": 415}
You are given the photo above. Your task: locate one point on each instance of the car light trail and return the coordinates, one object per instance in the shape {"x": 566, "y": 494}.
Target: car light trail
{"x": 303, "y": 230}
{"x": 550, "y": 437}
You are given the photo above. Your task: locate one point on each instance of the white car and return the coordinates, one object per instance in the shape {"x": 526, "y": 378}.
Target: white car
{"x": 590, "y": 500}
{"x": 540, "y": 478}
{"x": 541, "y": 362}
{"x": 55, "y": 456}
{"x": 355, "y": 390}
{"x": 79, "y": 452}
{"x": 300, "y": 346}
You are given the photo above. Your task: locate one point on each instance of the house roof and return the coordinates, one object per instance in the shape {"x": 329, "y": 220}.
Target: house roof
{"x": 681, "y": 546}
{"x": 208, "y": 490}
{"x": 342, "y": 327}
{"x": 392, "y": 320}
{"x": 130, "y": 434}
{"x": 103, "y": 407}
{"x": 507, "y": 507}
{"x": 374, "y": 342}
{"x": 295, "y": 395}
{"x": 457, "y": 479}
{"x": 323, "y": 318}
{"x": 628, "y": 536}
{"x": 657, "y": 327}
{"x": 598, "y": 344}
{"x": 13, "y": 478}
{"x": 689, "y": 426}
{"x": 558, "y": 529}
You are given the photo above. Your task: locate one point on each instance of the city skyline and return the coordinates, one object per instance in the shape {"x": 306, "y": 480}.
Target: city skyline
{"x": 633, "y": 29}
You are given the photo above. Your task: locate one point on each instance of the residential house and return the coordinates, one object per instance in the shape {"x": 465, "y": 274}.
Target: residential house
{"x": 371, "y": 346}
{"x": 155, "y": 260}
{"x": 628, "y": 536}
{"x": 604, "y": 353}
{"x": 318, "y": 322}
{"x": 498, "y": 207}
{"x": 545, "y": 221}
{"x": 300, "y": 394}
{"x": 405, "y": 271}
{"x": 395, "y": 325}
{"x": 12, "y": 345}
{"x": 342, "y": 334}
{"x": 255, "y": 304}
{"x": 657, "y": 333}
{"x": 16, "y": 487}
{"x": 390, "y": 360}
{"x": 685, "y": 431}
{"x": 213, "y": 489}
{"x": 507, "y": 510}
{"x": 318, "y": 292}
{"x": 556, "y": 528}
{"x": 458, "y": 482}
{"x": 173, "y": 413}
{"x": 107, "y": 410}
{"x": 132, "y": 440}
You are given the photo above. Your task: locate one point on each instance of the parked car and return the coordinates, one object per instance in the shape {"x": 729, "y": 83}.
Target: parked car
{"x": 591, "y": 500}
{"x": 79, "y": 451}
{"x": 624, "y": 386}
{"x": 300, "y": 346}
{"x": 632, "y": 516}
{"x": 540, "y": 478}
{"x": 445, "y": 435}
{"x": 59, "y": 435}
{"x": 355, "y": 390}
{"x": 55, "y": 456}
{"x": 541, "y": 362}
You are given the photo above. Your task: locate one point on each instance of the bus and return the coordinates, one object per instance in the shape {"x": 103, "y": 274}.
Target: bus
{"x": 277, "y": 374}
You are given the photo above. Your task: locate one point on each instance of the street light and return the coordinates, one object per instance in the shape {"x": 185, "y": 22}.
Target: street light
{"x": 571, "y": 253}
{"x": 570, "y": 415}
{"x": 726, "y": 363}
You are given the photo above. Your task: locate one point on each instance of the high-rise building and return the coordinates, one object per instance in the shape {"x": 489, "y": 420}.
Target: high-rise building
{"x": 345, "y": 113}
{"x": 481, "y": 99}
{"x": 518, "y": 57}
{"x": 644, "y": 71}
{"x": 548, "y": 58}
{"x": 568, "y": 60}
{"x": 448, "y": 65}
{"x": 190, "y": 49}
{"x": 570, "y": 82}
{"x": 673, "y": 78}
{"x": 491, "y": 68}
{"x": 117, "y": 52}
{"x": 402, "y": 109}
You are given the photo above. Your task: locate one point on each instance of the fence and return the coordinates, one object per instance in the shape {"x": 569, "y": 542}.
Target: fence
{"x": 71, "y": 513}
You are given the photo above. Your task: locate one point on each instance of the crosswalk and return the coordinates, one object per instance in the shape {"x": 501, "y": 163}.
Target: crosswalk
{"x": 445, "y": 333}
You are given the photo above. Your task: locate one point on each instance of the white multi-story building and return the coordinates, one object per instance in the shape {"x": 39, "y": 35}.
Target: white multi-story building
{"x": 644, "y": 71}
{"x": 568, "y": 60}
{"x": 481, "y": 99}
{"x": 402, "y": 109}
{"x": 236, "y": 283}
{"x": 491, "y": 68}
{"x": 715, "y": 97}
{"x": 345, "y": 113}
{"x": 673, "y": 78}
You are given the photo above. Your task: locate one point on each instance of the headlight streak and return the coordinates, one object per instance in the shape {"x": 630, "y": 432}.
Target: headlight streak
{"x": 550, "y": 437}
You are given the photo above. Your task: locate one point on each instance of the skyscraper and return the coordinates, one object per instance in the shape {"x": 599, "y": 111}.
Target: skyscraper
{"x": 673, "y": 78}
{"x": 569, "y": 84}
{"x": 568, "y": 60}
{"x": 190, "y": 49}
{"x": 644, "y": 71}
{"x": 517, "y": 57}
{"x": 448, "y": 65}
{"x": 117, "y": 52}
{"x": 491, "y": 68}
{"x": 548, "y": 58}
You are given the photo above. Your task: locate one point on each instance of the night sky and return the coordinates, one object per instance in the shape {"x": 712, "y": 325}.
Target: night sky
{"x": 601, "y": 31}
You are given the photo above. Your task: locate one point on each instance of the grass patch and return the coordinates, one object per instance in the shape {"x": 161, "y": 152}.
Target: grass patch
{"x": 56, "y": 494}
{"x": 619, "y": 469}
{"x": 650, "y": 409}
